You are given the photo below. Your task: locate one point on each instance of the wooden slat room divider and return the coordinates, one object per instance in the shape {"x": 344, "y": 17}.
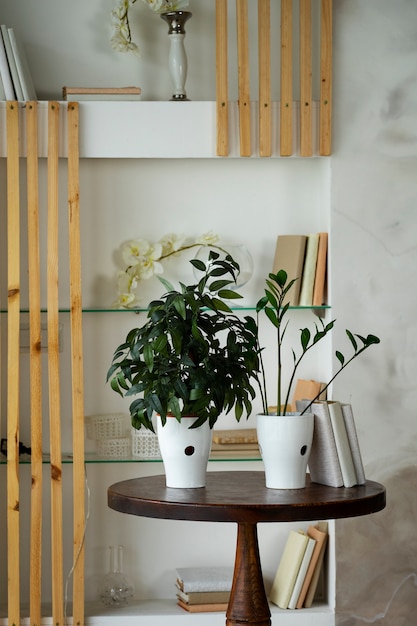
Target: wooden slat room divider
{"x": 20, "y": 117}
{"x": 286, "y": 64}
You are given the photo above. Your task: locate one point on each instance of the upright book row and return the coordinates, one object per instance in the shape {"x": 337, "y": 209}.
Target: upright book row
{"x": 303, "y": 257}
{"x": 335, "y": 458}
{"x": 300, "y": 569}
{"x": 15, "y": 78}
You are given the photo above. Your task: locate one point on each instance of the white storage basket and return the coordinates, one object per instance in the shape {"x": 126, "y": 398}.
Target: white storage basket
{"x": 117, "y": 448}
{"x": 145, "y": 444}
{"x": 107, "y": 426}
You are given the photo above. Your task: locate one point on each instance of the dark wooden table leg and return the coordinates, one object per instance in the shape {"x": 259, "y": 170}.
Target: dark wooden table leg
{"x": 248, "y": 605}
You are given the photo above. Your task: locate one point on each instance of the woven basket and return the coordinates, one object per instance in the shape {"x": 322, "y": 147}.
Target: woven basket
{"x": 107, "y": 426}
{"x": 145, "y": 444}
{"x": 117, "y": 448}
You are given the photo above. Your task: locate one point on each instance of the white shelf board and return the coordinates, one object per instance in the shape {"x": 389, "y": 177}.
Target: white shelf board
{"x": 163, "y": 612}
{"x": 148, "y": 130}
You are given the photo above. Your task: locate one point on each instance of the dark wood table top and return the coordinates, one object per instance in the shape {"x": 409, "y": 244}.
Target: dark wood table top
{"x": 241, "y": 496}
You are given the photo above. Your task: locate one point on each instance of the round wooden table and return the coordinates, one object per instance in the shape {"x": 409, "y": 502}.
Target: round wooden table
{"x": 242, "y": 497}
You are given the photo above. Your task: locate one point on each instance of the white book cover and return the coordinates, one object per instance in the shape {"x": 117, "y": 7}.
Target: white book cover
{"x": 324, "y": 462}
{"x": 288, "y": 568}
{"x": 205, "y": 578}
{"x": 2, "y": 92}
{"x": 25, "y": 77}
{"x": 12, "y": 63}
{"x": 354, "y": 443}
{"x": 5, "y": 72}
{"x": 342, "y": 444}
{"x": 302, "y": 573}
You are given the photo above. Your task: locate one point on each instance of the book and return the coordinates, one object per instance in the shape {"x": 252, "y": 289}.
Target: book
{"x": 25, "y": 77}
{"x": 203, "y": 597}
{"x": 309, "y": 270}
{"x": 12, "y": 63}
{"x": 239, "y": 453}
{"x": 289, "y": 256}
{"x": 2, "y": 92}
{"x": 321, "y": 271}
{"x": 288, "y": 568}
{"x": 225, "y": 447}
{"x": 235, "y": 436}
{"x": 319, "y": 533}
{"x": 5, "y": 72}
{"x": 318, "y": 570}
{"x": 307, "y": 390}
{"x": 324, "y": 462}
{"x": 342, "y": 444}
{"x": 203, "y": 608}
{"x": 354, "y": 443}
{"x": 218, "y": 578}
{"x": 302, "y": 573}
{"x": 100, "y": 93}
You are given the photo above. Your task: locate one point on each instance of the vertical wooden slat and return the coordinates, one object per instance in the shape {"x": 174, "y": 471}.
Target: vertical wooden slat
{"x": 53, "y": 366}
{"x": 306, "y": 141}
{"x": 243, "y": 76}
{"x": 286, "y": 79}
{"x": 325, "y": 131}
{"x": 77, "y": 364}
{"x": 13, "y": 370}
{"x": 222, "y": 103}
{"x": 264, "y": 57}
{"x": 35, "y": 362}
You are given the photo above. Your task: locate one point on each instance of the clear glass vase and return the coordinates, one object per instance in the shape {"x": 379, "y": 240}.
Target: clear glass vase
{"x": 116, "y": 588}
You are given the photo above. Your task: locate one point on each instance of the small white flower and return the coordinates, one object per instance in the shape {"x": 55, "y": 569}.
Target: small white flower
{"x": 171, "y": 243}
{"x": 133, "y": 250}
{"x": 155, "y": 5}
{"x": 208, "y": 239}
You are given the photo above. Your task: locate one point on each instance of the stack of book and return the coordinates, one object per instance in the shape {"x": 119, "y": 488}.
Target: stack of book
{"x": 335, "y": 457}
{"x": 235, "y": 443}
{"x": 15, "y": 78}
{"x": 75, "y": 94}
{"x": 297, "y": 578}
{"x": 204, "y": 589}
{"x": 303, "y": 257}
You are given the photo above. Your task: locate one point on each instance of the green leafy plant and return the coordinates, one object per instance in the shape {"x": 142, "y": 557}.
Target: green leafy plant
{"x": 193, "y": 356}
{"x": 272, "y": 303}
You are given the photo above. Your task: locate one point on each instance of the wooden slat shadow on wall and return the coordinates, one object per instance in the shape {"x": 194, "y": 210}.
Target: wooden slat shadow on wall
{"x": 285, "y": 75}
{"x": 30, "y": 111}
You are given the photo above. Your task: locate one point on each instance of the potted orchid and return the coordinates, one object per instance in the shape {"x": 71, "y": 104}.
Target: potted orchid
{"x": 122, "y": 36}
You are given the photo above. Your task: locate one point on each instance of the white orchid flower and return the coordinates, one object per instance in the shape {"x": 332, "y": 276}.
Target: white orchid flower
{"x": 208, "y": 239}
{"x": 134, "y": 250}
{"x": 171, "y": 243}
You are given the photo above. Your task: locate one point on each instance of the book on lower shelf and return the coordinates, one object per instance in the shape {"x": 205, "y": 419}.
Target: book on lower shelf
{"x": 73, "y": 94}
{"x": 288, "y": 568}
{"x": 203, "y": 608}
{"x": 214, "y": 578}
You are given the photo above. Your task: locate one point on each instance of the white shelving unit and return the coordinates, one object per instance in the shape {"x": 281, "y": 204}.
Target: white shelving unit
{"x": 152, "y": 132}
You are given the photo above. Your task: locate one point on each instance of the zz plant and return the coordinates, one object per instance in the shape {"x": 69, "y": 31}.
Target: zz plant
{"x": 272, "y": 303}
{"x": 192, "y": 356}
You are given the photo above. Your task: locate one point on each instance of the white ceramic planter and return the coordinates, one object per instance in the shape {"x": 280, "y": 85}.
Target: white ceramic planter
{"x": 285, "y": 445}
{"x": 185, "y": 451}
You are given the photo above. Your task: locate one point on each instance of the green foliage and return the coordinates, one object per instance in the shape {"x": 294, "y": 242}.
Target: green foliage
{"x": 272, "y": 303}
{"x": 193, "y": 356}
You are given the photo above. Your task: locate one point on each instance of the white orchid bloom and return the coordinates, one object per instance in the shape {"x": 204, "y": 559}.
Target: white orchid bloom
{"x": 171, "y": 243}
{"x": 155, "y": 5}
{"x": 134, "y": 250}
{"x": 208, "y": 239}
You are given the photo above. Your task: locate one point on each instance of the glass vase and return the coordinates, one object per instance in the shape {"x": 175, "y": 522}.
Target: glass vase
{"x": 116, "y": 589}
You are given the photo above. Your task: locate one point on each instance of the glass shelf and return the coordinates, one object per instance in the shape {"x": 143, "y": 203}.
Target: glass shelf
{"x": 111, "y": 310}
{"x": 92, "y": 458}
